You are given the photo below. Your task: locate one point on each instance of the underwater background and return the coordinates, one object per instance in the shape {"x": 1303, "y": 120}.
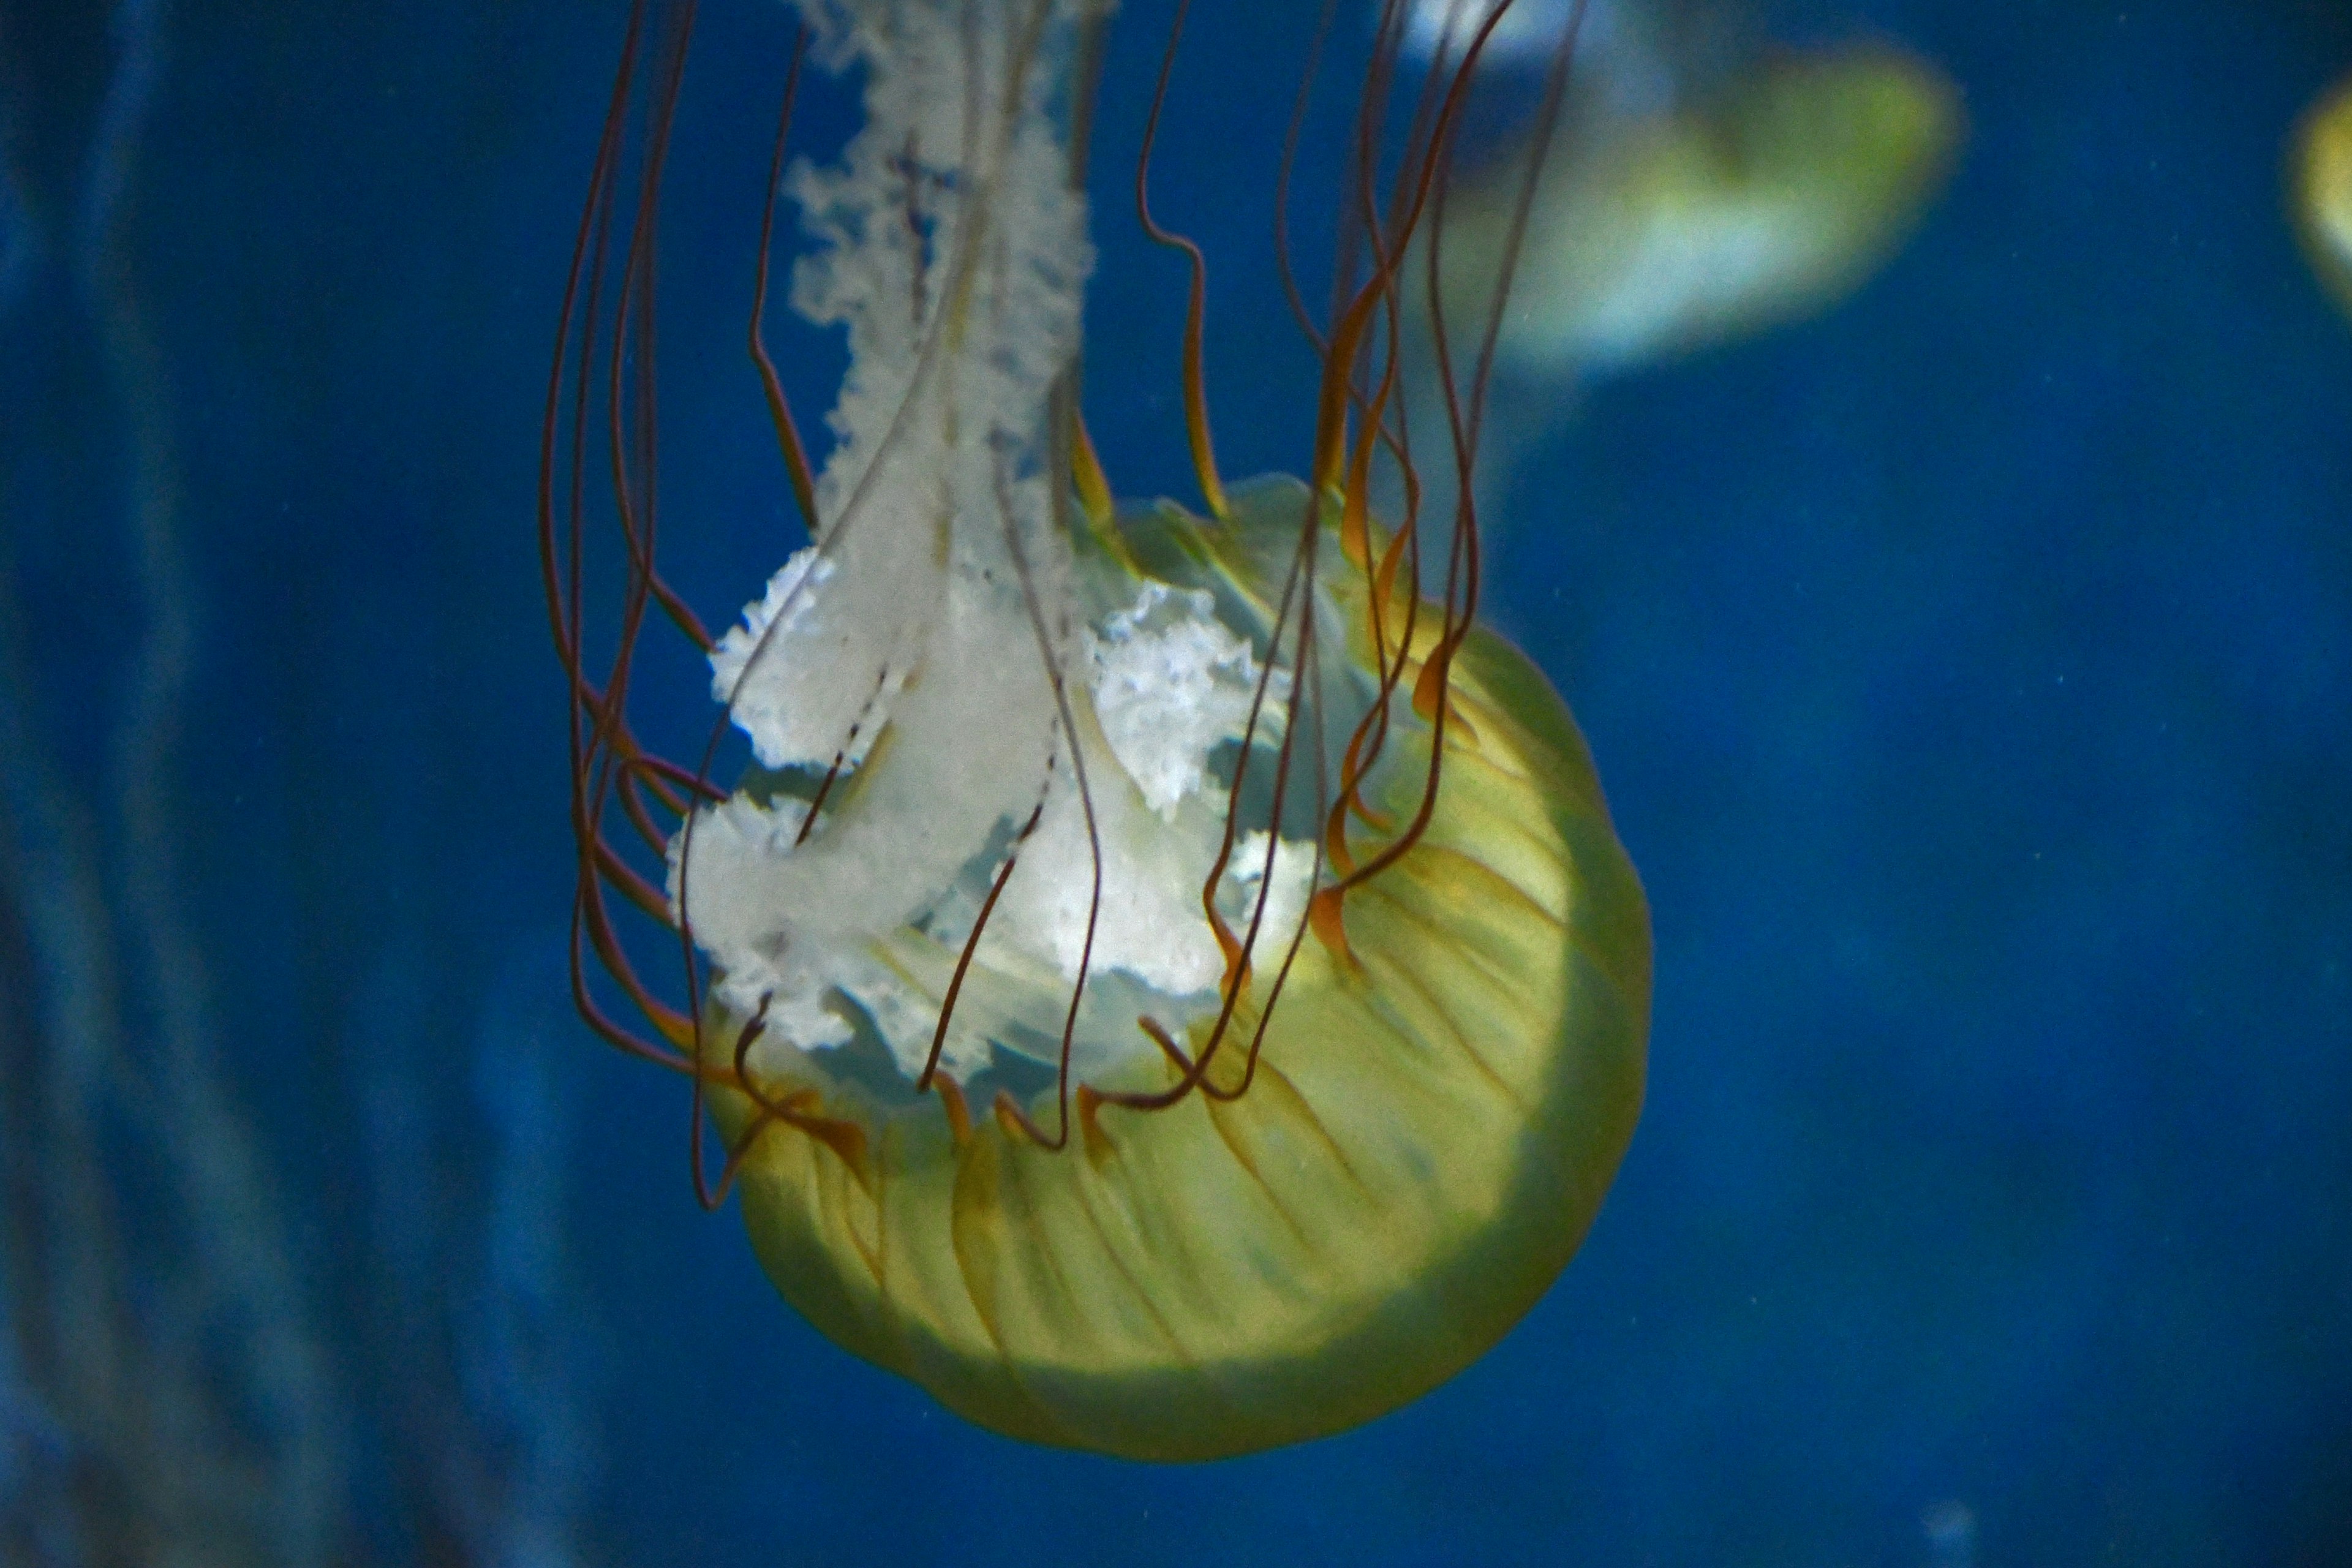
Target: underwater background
{"x": 1969, "y": 669}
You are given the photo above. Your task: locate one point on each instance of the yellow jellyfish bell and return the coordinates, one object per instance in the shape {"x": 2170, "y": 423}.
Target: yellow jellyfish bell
{"x": 2320, "y": 182}
{"x": 1657, "y": 233}
{"x": 1172, "y": 985}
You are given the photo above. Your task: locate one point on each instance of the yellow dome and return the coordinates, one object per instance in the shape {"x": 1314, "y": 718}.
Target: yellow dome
{"x": 2320, "y": 179}
{"x": 1428, "y": 1134}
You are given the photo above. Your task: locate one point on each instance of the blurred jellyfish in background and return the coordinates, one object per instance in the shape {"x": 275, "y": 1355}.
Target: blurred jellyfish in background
{"x": 1094, "y": 968}
{"x": 181, "y": 1379}
{"x": 2319, "y": 176}
{"x": 1701, "y": 186}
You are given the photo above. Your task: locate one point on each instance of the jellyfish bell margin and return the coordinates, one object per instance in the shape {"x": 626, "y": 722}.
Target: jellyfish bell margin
{"x": 1167, "y": 984}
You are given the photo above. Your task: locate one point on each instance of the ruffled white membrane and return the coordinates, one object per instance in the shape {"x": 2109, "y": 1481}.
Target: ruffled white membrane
{"x": 912, "y": 647}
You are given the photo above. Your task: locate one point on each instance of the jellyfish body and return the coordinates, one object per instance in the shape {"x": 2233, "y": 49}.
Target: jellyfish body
{"x": 2320, "y": 186}
{"x": 1660, "y": 232}
{"x": 1174, "y": 987}
{"x": 1430, "y": 1120}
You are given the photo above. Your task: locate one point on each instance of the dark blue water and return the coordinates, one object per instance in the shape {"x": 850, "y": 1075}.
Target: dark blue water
{"x": 1970, "y": 670}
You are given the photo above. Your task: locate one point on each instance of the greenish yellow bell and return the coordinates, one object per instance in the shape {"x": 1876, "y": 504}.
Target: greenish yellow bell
{"x": 2320, "y": 186}
{"x": 1435, "y": 1118}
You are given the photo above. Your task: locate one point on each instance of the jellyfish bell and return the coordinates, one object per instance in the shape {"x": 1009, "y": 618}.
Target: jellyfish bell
{"x": 1166, "y": 984}
{"x": 2319, "y": 181}
{"x": 1764, "y": 198}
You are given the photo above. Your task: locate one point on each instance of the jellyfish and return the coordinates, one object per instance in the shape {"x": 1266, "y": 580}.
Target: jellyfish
{"x": 1695, "y": 188}
{"x": 2319, "y": 176}
{"x": 1678, "y": 220}
{"x": 1165, "y": 980}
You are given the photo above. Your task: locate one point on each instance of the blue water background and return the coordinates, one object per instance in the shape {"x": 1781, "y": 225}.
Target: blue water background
{"x": 1969, "y": 669}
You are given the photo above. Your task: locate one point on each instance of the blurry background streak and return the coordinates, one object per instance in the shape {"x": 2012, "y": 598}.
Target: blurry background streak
{"x": 129, "y": 1319}
{"x": 174, "y": 1383}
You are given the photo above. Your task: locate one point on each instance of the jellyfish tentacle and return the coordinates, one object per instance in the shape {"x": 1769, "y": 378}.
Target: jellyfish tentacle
{"x": 1298, "y": 589}
{"x": 1423, "y": 172}
{"x": 1287, "y": 168}
{"x": 923, "y": 1079}
{"x": 564, "y": 606}
{"x": 1196, "y": 298}
{"x": 605, "y": 759}
{"x": 1460, "y": 608}
{"x": 625, "y": 400}
{"x": 1234, "y": 984}
{"x": 1049, "y": 652}
{"x": 780, "y": 409}
{"x": 846, "y": 1140}
{"x": 707, "y": 1194}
